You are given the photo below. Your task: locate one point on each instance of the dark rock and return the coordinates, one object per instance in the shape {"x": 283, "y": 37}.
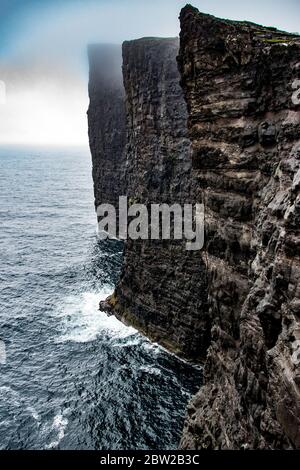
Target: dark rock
{"x": 233, "y": 145}
{"x": 267, "y": 133}
{"x": 162, "y": 286}
{"x": 240, "y": 77}
{"x": 106, "y": 122}
{"x": 105, "y": 306}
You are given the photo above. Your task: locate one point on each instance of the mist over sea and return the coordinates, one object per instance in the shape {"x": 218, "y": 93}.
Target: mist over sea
{"x": 72, "y": 377}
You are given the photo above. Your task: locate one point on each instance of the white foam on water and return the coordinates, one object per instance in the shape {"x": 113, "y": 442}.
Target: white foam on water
{"x": 2, "y": 353}
{"x": 60, "y": 422}
{"x": 12, "y": 398}
{"x": 9, "y": 394}
{"x": 151, "y": 370}
{"x": 154, "y": 348}
{"x": 82, "y": 320}
{"x": 135, "y": 339}
{"x": 34, "y": 413}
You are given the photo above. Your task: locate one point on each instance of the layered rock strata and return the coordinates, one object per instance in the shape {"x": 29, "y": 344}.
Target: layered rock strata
{"x": 236, "y": 303}
{"x": 239, "y": 81}
{"x": 162, "y": 286}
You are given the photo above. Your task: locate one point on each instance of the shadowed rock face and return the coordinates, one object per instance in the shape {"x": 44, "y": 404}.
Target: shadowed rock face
{"x": 162, "y": 286}
{"x": 106, "y": 122}
{"x": 140, "y": 147}
{"x": 244, "y": 127}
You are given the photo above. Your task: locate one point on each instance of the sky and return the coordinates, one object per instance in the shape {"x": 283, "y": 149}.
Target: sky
{"x": 43, "y": 60}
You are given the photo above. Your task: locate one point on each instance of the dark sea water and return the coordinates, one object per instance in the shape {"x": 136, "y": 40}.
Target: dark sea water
{"x": 73, "y": 378}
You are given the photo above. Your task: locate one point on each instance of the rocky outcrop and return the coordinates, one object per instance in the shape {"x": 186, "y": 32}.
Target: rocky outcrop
{"x": 161, "y": 284}
{"x": 244, "y": 124}
{"x": 140, "y": 148}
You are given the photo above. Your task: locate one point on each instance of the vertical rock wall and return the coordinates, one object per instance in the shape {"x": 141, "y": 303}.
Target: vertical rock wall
{"x": 235, "y": 303}
{"x": 107, "y": 122}
{"x": 140, "y": 148}
{"x": 162, "y": 286}
{"x": 238, "y": 80}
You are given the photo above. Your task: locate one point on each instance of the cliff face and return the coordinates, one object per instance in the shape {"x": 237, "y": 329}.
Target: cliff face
{"x": 235, "y": 147}
{"x": 239, "y": 82}
{"x": 140, "y": 148}
{"x": 161, "y": 283}
{"x": 106, "y": 122}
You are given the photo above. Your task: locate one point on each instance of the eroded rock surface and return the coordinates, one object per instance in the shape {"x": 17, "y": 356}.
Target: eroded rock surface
{"x": 162, "y": 286}
{"x": 244, "y": 125}
{"x": 236, "y": 303}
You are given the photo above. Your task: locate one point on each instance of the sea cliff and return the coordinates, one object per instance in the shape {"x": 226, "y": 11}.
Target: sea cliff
{"x": 219, "y": 124}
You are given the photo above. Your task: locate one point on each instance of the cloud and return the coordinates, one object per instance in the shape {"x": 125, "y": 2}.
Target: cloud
{"x": 45, "y": 103}
{"x": 44, "y": 113}
{"x": 45, "y": 67}
{"x": 44, "y": 61}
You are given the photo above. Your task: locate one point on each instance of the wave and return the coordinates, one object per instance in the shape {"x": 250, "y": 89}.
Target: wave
{"x": 151, "y": 370}
{"x": 60, "y": 422}
{"x": 82, "y": 321}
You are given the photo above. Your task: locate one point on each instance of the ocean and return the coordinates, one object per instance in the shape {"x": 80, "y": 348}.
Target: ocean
{"x": 71, "y": 377}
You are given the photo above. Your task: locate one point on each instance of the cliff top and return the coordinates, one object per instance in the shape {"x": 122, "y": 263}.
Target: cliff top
{"x": 155, "y": 46}
{"x": 263, "y": 34}
{"x": 151, "y": 41}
